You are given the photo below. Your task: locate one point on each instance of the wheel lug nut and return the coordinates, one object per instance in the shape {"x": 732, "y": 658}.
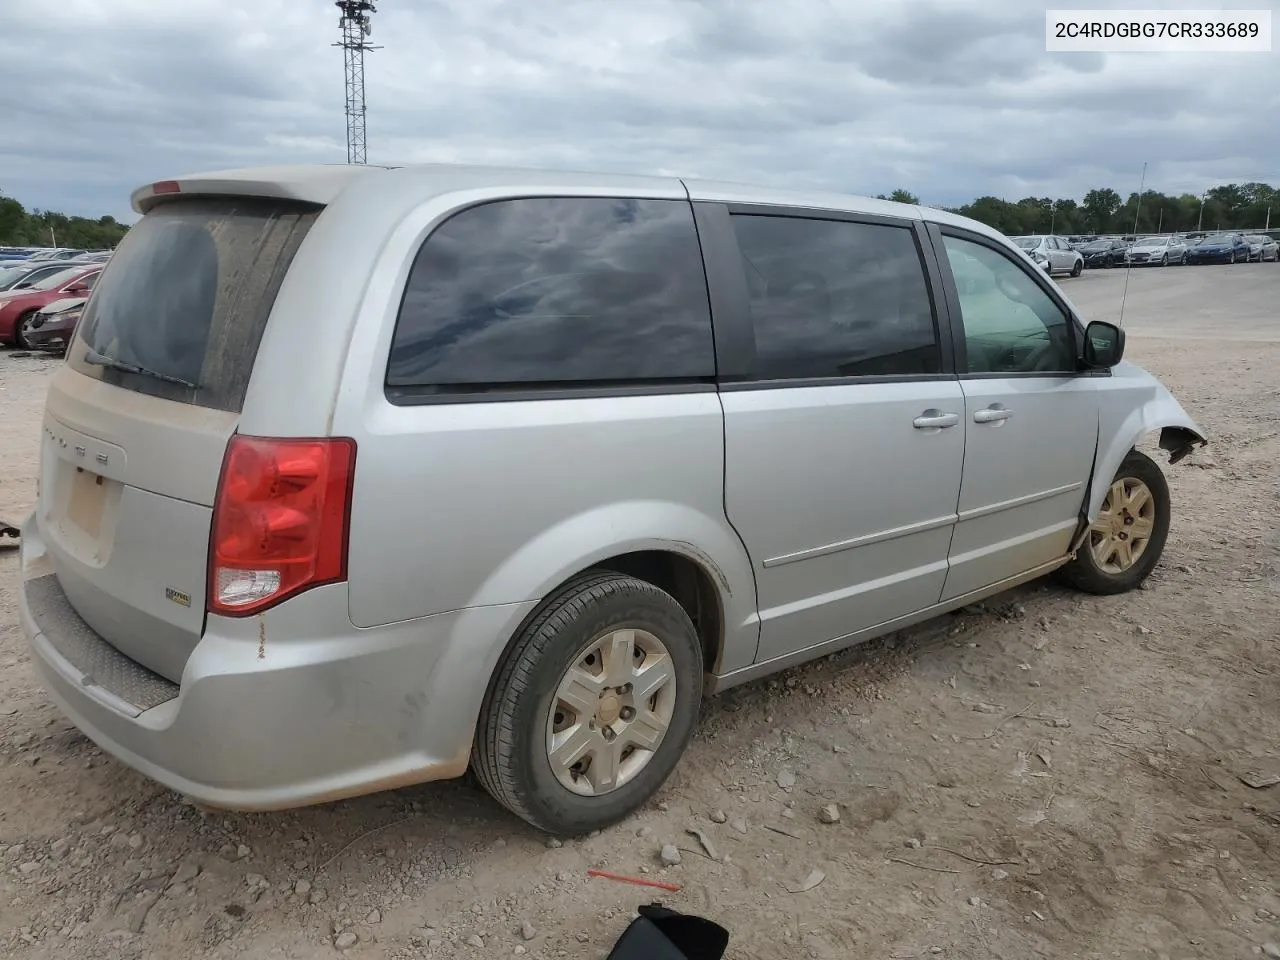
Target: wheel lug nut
{"x": 628, "y": 713}
{"x": 608, "y": 733}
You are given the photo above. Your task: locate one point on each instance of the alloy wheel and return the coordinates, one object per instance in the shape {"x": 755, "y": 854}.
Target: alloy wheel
{"x": 23, "y": 328}
{"x": 1120, "y": 535}
{"x": 610, "y": 712}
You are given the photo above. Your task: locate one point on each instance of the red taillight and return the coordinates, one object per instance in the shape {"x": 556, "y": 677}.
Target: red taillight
{"x": 166, "y": 186}
{"x": 280, "y": 521}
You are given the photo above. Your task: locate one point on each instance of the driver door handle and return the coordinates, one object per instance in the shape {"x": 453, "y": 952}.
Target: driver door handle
{"x": 992, "y": 415}
{"x": 935, "y": 419}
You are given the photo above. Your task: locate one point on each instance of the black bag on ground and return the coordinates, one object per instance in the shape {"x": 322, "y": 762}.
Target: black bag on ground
{"x": 660, "y": 933}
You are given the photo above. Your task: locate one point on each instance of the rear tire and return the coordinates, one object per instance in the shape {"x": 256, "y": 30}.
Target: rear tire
{"x": 529, "y": 713}
{"x": 1136, "y": 504}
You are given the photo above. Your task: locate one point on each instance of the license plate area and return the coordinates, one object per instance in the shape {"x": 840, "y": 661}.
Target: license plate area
{"x": 79, "y": 511}
{"x": 87, "y": 502}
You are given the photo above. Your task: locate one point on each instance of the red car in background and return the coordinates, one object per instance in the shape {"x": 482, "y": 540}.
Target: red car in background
{"x": 19, "y": 307}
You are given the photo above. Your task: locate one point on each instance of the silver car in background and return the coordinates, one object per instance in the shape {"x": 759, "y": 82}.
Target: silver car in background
{"x": 1262, "y": 248}
{"x": 1052, "y": 254}
{"x": 1157, "y": 252}
{"x": 358, "y": 477}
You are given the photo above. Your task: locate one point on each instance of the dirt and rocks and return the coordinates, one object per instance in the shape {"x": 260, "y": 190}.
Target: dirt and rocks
{"x": 1044, "y": 775}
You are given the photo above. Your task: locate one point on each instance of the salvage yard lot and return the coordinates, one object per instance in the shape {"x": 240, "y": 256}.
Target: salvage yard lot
{"x": 1047, "y": 775}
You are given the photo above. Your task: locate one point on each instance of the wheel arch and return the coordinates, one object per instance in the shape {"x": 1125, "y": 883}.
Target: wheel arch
{"x": 1122, "y": 430}
{"x": 690, "y": 583}
{"x": 694, "y": 556}
{"x": 694, "y": 582}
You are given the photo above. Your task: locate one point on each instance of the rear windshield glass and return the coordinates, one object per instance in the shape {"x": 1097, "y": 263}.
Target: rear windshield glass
{"x": 180, "y": 309}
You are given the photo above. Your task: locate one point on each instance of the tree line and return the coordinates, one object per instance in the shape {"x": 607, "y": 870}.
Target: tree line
{"x": 1235, "y": 206}
{"x": 20, "y": 227}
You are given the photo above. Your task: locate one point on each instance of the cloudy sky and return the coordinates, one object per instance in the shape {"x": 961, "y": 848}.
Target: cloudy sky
{"x": 950, "y": 98}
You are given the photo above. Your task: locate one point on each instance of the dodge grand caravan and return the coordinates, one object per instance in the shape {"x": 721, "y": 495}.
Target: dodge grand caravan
{"x": 358, "y": 477}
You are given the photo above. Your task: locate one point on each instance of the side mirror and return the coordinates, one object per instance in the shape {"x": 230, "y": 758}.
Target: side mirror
{"x": 1103, "y": 344}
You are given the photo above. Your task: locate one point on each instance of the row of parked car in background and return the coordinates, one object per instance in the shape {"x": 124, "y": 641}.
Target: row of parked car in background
{"x": 43, "y": 291}
{"x": 1073, "y": 255}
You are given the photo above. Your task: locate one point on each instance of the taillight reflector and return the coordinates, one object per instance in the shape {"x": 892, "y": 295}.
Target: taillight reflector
{"x": 166, "y": 186}
{"x": 280, "y": 521}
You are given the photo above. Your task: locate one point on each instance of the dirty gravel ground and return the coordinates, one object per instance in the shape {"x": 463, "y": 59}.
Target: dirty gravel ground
{"x": 1048, "y": 776}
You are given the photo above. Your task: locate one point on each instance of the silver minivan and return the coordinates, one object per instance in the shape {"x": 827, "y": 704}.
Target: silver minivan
{"x": 357, "y": 477}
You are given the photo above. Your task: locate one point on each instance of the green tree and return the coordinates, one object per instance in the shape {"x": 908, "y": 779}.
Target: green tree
{"x": 1099, "y": 208}
{"x": 900, "y": 196}
{"x": 20, "y": 227}
{"x": 1067, "y": 217}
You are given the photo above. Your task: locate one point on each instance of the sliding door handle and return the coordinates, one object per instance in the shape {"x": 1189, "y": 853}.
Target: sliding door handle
{"x": 992, "y": 414}
{"x": 935, "y": 420}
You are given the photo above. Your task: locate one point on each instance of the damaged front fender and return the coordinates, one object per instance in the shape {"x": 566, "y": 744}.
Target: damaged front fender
{"x": 1180, "y": 441}
{"x": 1132, "y": 405}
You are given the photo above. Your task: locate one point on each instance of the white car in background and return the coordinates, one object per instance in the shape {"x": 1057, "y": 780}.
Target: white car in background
{"x": 1052, "y": 254}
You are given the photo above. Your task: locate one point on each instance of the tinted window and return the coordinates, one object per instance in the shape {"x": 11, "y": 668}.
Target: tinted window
{"x": 52, "y": 281}
{"x": 555, "y": 291}
{"x": 836, "y": 299}
{"x": 34, "y": 274}
{"x": 187, "y": 294}
{"x": 1010, "y": 324}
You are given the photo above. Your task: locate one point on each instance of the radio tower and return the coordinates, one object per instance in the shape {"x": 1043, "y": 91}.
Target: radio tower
{"x": 356, "y": 29}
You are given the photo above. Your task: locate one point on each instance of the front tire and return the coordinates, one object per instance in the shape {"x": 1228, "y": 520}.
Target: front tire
{"x": 1077, "y": 268}
{"x": 20, "y": 330}
{"x": 1126, "y": 540}
{"x": 1164, "y": 261}
{"x": 592, "y": 706}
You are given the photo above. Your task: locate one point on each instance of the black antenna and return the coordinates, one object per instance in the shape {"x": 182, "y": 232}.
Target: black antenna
{"x": 1128, "y": 261}
{"x": 356, "y": 28}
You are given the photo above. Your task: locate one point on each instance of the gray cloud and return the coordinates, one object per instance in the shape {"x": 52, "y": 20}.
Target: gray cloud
{"x": 950, "y": 99}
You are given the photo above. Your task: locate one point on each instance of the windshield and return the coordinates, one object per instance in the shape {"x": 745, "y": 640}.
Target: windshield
{"x": 54, "y": 280}
{"x": 11, "y": 275}
{"x": 1224, "y": 238}
{"x": 1097, "y": 245}
{"x": 1255, "y": 238}
{"x": 1027, "y": 243}
{"x": 1152, "y": 242}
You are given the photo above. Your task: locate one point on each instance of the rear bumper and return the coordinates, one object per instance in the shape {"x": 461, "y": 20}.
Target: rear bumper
{"x": 264, "y": 719}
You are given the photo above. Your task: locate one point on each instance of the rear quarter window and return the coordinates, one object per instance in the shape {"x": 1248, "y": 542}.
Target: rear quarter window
{"x": 180, "y": 309}
{"x": 542, "y": 292}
